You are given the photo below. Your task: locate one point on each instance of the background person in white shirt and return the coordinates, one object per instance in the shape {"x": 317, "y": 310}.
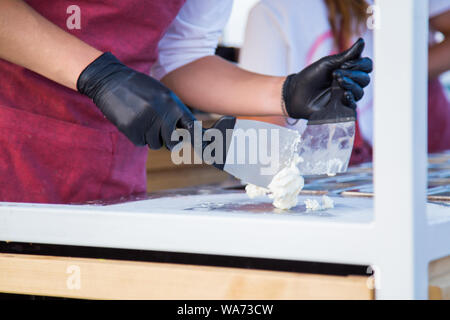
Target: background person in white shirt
{"x": 287, "y": 35}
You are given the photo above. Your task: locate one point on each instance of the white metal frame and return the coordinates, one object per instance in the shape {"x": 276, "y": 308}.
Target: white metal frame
{"x": 400, "y": 159}
{"x": 349, "y": 234}
{"x": 398, "y": 238}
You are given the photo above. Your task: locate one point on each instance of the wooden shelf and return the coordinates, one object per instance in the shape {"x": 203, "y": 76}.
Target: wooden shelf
{"x": 439, "y": 279}
{"x": 113, "y": 279}
{"x": 89, "y": 278}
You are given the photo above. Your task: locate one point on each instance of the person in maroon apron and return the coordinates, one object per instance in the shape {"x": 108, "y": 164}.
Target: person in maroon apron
{"x": 75, "y": 119}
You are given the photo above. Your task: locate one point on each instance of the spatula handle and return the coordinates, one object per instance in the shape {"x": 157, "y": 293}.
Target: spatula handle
{"x": 335, "y": 111}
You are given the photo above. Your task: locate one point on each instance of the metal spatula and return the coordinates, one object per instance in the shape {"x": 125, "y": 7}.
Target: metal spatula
{"x": 324, "y": 146}
{"x": 258, "y": 159}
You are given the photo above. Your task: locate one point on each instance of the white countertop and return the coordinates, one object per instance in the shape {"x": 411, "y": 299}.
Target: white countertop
{"x": 210, "y": 223}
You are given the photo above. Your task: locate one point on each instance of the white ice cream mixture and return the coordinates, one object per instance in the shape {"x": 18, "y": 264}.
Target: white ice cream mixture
{"x": 284, "y": 187}
{"x": 314, "y": 205}
{"x": 287, "y": 184}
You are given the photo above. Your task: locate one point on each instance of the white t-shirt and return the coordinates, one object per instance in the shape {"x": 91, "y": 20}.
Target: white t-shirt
{"x": 192, "y": 35}
{"x": 285, "y": 36}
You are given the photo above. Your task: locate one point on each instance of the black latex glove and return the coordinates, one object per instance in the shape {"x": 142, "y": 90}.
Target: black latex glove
{"x": 310, "y": 90}
{"x": 141, "y": 107}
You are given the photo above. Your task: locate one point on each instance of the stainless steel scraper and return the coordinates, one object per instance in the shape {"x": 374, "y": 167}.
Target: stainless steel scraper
{"x": 326, "y": 148}
{"x": 255, "y": 151}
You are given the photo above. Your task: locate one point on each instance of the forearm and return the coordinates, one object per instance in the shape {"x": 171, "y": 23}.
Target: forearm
{"x": 212, "y": 84}
{"x": 31, "y": 41}
{"x": 439, "y": 58}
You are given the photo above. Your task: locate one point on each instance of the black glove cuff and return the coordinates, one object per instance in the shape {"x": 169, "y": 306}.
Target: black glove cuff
{"x": 286, "y": 107}
{"x": 92, "y": 77}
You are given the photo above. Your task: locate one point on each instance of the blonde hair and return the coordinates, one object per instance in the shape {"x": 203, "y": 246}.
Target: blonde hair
{"x": 347, "y": 19}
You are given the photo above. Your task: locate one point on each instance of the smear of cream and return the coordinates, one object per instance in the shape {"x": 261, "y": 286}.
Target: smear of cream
{"x": 314, "y": 205}
{"x": 327, "y": 203}
{"x": 255, "y": 191}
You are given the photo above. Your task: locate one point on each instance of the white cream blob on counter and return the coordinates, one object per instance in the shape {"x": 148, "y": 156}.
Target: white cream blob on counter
{"x": 314, "y": 205}
{"x": 284, "y": 187}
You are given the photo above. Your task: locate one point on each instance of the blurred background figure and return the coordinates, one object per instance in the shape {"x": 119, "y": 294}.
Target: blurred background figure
{"x": 283, "y": 36}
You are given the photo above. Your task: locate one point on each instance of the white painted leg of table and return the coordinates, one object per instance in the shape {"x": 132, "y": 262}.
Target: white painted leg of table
{"x": 400, "y": 114}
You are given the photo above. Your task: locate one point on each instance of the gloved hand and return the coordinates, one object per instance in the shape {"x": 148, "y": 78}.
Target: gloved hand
{"x": 310, "y": 90}
{"x": 141, "y": 107}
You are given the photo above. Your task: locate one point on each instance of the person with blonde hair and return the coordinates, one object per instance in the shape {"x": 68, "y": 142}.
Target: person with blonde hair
{"x": 286, "y": 35}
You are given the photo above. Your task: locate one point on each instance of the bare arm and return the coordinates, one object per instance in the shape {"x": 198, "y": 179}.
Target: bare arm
{"x": 439, "y": 54}
{"x": 210, "y": 83}
{"x": 214, "y": 85}
{"x": 31, "y": 41}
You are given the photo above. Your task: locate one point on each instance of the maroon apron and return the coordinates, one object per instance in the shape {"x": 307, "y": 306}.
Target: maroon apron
{"x": 56, "y": 146}
{"x": 438, "y": 118}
